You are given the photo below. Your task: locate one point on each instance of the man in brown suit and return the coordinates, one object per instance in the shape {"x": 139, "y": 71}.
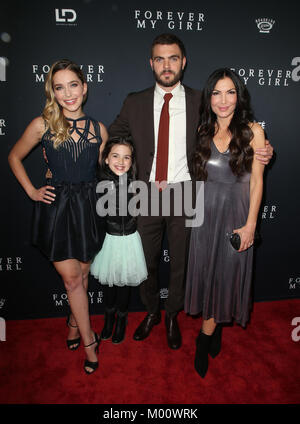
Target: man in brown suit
{"x": 140, "y": 118}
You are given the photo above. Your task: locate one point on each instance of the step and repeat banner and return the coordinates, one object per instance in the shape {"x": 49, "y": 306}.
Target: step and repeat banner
{"x": 111, "y": 41}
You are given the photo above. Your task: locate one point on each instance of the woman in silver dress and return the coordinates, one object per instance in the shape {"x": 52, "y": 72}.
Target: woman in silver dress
{"x": 219, "y": 276}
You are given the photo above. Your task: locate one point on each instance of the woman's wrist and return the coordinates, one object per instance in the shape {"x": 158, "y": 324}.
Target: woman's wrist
{"x": 31, "y": 192}
{"x": 251, "y": 225}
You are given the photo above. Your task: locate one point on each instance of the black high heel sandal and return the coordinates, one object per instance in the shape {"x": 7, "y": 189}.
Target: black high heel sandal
{"x": 89, "y": 364}
{"x": 72, "y": 344}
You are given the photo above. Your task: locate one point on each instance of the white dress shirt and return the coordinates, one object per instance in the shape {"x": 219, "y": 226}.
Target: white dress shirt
{"x": 177, "y": 166}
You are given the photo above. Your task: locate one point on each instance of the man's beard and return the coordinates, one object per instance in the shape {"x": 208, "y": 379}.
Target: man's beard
{"x": 169, "y": 83}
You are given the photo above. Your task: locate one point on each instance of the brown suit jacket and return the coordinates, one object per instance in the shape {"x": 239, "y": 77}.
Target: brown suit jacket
{"x": 137, "y": 119}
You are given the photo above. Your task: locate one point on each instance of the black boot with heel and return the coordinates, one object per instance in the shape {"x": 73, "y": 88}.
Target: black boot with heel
{"x": 203, "y": 342}
{"x": 216, "y": 341}
{"x": 120, "y": 329}
{"x": 109, "y": 321}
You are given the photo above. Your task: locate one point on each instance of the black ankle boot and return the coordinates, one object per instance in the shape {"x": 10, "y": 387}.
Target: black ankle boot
{"x": 216, "y": 341}
{"x": 201, "y": 358}
{"x": 109, "y": 320}
{"x": 120, "y": 329}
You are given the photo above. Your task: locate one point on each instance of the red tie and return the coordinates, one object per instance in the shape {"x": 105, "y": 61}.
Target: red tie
{"x": 163, "y": 142}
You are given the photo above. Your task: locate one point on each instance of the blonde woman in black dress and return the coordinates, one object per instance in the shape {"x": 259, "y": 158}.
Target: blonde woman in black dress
{"x": 66, "y": 226}
{"x": 218, "y": 276}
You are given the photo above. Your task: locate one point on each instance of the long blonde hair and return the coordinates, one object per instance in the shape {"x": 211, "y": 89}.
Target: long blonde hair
{"x": 54, "y": 118}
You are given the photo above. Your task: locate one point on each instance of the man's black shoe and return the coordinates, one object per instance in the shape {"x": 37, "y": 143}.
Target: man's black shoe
{"x": 173, "y": 332}
{"x": 145, "y": 327}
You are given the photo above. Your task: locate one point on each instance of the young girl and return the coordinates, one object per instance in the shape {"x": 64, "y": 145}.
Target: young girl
{"x": 120, "y": 263}
{"x": 66, "y": 226}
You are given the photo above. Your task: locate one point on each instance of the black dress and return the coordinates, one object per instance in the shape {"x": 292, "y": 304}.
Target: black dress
{"x": 69, "y": 227}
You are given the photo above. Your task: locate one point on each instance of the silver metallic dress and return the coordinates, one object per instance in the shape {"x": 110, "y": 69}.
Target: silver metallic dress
{"x": 218, "y": 277}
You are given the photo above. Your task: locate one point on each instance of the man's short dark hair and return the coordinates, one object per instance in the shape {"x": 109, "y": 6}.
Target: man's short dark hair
{"x": 168, "y": 39}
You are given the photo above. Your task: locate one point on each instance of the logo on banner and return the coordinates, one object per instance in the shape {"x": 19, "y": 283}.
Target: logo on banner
{"x": 93, "y": 73}
{"x": 164, "y": 292}
{"x": 166, "y": 256}
{"x": 268, "y": 77}
{"x": 61, "y": 300}
{"x": 11, "y": 264}
{"x": 265, "y": 25}
{"x": 2, "y": 126}
{"x": 294, "y": 283}
{"x": 262, "y": 124}
{"x": 65, "y": 16}
{"x": 156, "y": 20}
{"x": 269, "y": 212}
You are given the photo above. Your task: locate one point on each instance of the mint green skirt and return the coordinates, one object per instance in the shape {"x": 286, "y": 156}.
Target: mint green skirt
{"x": 121, "y": 261}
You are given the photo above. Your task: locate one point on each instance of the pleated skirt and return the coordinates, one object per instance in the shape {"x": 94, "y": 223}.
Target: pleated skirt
{"x": 69, "y": 227}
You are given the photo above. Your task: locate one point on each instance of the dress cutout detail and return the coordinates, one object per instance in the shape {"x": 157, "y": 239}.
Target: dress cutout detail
{"x": 74, "y": 160}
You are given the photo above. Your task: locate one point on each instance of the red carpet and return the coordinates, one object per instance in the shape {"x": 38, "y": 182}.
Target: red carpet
{"x": 259, "y": 365}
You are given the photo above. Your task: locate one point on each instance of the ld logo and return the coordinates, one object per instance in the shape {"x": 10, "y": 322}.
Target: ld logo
{"x": 65, "y": 15}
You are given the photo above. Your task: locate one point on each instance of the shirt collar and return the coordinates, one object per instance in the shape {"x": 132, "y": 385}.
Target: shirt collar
{"x": 176, "y": 90}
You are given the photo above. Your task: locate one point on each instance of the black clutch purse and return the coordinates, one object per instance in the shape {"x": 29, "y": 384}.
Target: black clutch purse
{"x": 235, "y": 239}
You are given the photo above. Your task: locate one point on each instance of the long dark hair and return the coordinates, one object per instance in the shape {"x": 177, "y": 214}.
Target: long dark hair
{"x": 239, "y": 146}
{"x": 125, "y": 141}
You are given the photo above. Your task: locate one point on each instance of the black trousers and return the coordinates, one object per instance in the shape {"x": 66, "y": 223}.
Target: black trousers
{"x": 116, "y": 297}
{"x": 151, "y": 229}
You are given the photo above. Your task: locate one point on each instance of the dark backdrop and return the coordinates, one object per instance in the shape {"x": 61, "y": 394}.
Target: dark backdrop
{"x": 111, "y": 40}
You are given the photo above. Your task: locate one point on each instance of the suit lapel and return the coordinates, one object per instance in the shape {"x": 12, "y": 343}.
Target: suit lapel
{"x": 148, "y": 113}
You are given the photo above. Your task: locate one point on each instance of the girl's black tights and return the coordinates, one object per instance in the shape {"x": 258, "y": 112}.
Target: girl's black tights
{"x": 116, "y": 297}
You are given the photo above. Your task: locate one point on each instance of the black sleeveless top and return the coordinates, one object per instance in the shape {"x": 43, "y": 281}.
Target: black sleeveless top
{"x": 74, "y": 161}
